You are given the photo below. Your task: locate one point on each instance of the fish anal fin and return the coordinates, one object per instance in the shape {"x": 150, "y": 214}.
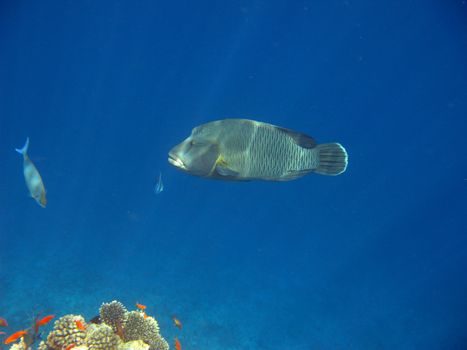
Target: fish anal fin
{"x": 299, "y": 138}
{"x": 295, "y": 174}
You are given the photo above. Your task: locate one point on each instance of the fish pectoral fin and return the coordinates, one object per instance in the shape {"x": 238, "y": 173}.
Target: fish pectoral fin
{"x": 223, "y": 169}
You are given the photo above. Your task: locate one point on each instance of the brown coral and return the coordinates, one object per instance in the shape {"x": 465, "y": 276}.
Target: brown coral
{"x": 145, "y": 329}
{"x": 66, "y": 332}
{"x": 101, "y": 337}
{"x": 113, "y": 314}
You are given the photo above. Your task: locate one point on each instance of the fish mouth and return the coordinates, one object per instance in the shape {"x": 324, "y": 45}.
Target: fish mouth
{"x": 176, "y": 162}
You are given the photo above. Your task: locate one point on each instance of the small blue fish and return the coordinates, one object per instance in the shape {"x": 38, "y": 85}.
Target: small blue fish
{"x": 159, "y": 185}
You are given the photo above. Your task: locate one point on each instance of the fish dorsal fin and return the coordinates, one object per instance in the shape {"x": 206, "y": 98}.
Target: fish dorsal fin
{"x": 299, "y": 138}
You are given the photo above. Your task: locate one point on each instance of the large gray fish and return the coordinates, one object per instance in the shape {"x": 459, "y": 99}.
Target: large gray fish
{"x": 32, "y": 177}
{"x": 242, "y": 149}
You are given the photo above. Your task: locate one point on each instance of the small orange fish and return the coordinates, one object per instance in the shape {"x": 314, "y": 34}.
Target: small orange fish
{"x": 15, "y": 336}
{"x": 80, "y": 325}
{"x": 177, "y": 322}
{"x": 44, "y": 321}
{"x": 71, "y": 346}
{"x": 145, "y": 315}
{"x": 3, "y": 322}
{"x": 178, "y": 346}
{"x": 141, "y": 306}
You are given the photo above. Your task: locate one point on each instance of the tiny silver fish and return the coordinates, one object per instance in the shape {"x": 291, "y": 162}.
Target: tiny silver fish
{"x": 159, "y": 187}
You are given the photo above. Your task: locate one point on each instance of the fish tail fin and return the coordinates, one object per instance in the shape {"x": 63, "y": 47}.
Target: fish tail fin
{"x": 24, "y": 150}
{"x": 332, "y": 159}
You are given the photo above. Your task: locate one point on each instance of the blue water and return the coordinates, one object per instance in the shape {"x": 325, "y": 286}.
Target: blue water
{"x": 372, "y": 259}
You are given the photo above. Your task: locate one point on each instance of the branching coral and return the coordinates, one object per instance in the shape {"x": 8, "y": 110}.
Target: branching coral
{"x": 159, "y": 343}
{"x": 145, "y": 329}
{"x": 134, "y": 345}
{"x": 113, "y": 314}
{"x": 19, "y": 346}
{"x": 43, "y": 346}
{"x": 101, "y": 337}
{"x": 66, "y": 332}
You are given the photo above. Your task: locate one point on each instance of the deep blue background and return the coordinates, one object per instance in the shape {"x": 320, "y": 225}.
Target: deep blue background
{"x": 373, "y": 259}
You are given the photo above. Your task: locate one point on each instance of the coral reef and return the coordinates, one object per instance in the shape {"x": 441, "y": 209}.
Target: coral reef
{"x": 66, "y": 332}
{"x": 144, "y": 328}
{"x": 134, "y": 345}
{"x": 159, "y": 343}
{"x": 19, "y": 346}
{"x": 113, "y": 314}
{"x": 119, "y": 330}
{"x": 42, "y": 346}
{"x": 101, "y": 337}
